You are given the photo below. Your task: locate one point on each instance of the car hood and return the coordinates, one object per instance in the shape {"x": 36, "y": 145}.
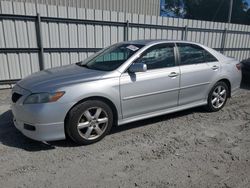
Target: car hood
{"x": 59, "y": 77}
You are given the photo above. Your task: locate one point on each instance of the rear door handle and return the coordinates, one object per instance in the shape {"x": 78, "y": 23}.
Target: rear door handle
{"x": 215, "y": 67}
{"x": 173, "y": 74}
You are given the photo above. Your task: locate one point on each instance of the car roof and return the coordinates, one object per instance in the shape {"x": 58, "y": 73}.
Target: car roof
{"x": 157, "y": 41}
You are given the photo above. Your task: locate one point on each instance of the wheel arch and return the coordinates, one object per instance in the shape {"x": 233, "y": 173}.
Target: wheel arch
{"x": 228, "y": 83}
{"x": 103, "y": 99}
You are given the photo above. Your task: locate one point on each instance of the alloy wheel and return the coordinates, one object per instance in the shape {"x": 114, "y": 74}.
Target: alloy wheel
{"x": 92, "y": 123}
{"x": 219, "y": 96}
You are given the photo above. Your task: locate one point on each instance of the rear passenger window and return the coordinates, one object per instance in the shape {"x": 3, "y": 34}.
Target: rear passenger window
{"x": 193, "y": 54}
{"x": 159, "y": 56}
{"x": 209, "y": 57}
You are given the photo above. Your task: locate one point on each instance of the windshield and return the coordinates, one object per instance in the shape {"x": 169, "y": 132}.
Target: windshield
{"x": 111, "y": 57}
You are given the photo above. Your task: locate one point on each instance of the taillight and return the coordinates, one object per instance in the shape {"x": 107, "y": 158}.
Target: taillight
{"x": 238, "y": 66}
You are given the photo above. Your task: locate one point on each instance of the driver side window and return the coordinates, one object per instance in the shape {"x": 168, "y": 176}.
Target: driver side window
{"x": 159, "y": 56}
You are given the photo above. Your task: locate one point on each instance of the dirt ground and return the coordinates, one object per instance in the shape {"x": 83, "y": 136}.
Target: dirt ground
{"x": 191, "y": 148}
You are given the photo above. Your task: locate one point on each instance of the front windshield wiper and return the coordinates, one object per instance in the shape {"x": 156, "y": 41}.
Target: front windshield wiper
{"x": 82, "y": 65}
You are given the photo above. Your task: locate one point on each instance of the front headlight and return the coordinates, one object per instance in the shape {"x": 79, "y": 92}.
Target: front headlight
{"x": 43, "y": 97}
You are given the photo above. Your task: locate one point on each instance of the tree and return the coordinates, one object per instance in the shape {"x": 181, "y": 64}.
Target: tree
{"x": 239, "y": 14}
{"x": 173, "y": 8}
{"x": 248, "y": 16}
{"x": 210, "y": 10}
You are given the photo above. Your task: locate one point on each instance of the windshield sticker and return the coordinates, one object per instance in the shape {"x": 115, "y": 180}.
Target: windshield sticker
{"x": 132, "y": 47}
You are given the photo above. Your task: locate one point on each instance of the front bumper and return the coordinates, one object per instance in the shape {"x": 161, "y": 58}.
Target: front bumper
{"x": 42, "y": 132}
{"x": 46, "y": 120}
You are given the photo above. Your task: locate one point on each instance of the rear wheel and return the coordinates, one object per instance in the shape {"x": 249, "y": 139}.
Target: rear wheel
{"x": 89, "y": 122}
{"x": 217, "y": 97}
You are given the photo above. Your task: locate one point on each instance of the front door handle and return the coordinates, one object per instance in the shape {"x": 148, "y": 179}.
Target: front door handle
{"x": 173, "y": 74}
{"x": 215, "y": 67}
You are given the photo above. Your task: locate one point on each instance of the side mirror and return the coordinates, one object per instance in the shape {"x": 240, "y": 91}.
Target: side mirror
{"x": 138, "y": 67}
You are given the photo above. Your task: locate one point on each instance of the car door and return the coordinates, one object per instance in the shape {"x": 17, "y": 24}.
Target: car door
{"x": 198, "y": 68}
{"x": 155, "y": 89}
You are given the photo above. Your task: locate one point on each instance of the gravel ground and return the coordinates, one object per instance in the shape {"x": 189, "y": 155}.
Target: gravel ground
{"x": 191, "y": 148}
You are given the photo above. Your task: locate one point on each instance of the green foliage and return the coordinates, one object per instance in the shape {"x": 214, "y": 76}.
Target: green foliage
{"x": 174, "y": 6}
{"x": 210, "y": 10}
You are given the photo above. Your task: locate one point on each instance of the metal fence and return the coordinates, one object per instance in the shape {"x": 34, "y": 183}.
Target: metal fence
{"x": 149, "y": 7}
{"x": 34, "y": 37}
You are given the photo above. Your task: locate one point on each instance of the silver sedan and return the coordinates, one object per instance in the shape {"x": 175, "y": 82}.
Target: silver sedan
{"x": 125, "y": 82}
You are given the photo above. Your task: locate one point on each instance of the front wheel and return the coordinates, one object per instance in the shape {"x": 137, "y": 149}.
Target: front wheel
{"x": 89, "y": 122}
{"x": 217, "y": 97}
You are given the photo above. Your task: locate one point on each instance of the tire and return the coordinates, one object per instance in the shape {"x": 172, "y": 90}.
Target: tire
{"x": 217, "y": 97}
{"x": 89, "y": 122}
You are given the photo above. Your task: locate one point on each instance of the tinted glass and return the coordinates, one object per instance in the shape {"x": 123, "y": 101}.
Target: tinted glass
{"x": 158, "y": 56}
{"x": 111, "y": 58}
{"x": 209, "y": 57}
{"x": 193, "y": 54}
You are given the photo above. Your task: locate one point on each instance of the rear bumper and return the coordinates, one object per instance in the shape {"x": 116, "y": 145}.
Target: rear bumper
{"x": 41, "y": 132}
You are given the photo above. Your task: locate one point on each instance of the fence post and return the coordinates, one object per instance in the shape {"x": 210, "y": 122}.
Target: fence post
{"x": 126, "y": 31}
{"x": 223, "y": 40}
{"x": 40, "y": 42}
{"x": 184, "y": 33}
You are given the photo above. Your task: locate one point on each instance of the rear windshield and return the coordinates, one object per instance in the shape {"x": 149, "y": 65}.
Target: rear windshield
{"x": 111, "y": 57}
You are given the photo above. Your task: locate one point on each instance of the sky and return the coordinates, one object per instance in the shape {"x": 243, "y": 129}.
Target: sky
{"x": 248, "y": 1}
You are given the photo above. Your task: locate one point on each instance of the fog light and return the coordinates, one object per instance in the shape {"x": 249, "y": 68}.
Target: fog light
{"x": 29, "y": 127}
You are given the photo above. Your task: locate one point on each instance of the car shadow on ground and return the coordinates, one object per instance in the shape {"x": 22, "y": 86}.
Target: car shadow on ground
{"x": 11, "y": 137}
{"x": 156, "y": 119}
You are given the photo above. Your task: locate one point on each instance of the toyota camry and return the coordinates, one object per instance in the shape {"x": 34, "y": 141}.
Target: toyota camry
{"x": 125, "y": 82}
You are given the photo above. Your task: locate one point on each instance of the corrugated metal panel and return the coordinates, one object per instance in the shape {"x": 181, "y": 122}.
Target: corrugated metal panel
{"x": 22, "y": 34}
{"x": 150, "y": 7}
